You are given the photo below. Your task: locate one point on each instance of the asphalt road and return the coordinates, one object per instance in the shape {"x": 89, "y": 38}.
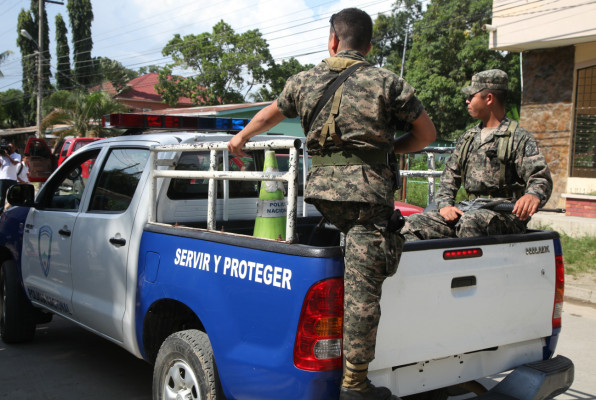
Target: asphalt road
{"x": 66, "y": 362}
{"x": 576, "y": 342}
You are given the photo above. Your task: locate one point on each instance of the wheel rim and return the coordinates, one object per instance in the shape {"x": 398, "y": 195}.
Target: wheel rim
{"x": 180, "y": 383}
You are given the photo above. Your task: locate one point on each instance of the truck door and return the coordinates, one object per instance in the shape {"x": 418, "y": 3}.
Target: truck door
{"x": 101, "y": 241}
{"x": 48, "y": 235}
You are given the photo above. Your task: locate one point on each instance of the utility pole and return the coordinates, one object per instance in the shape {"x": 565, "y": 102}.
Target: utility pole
{"x": 403, "y": 56}
{"x": 39, "y": 66}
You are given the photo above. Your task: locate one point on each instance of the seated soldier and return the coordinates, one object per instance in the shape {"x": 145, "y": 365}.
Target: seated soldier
{"x": 496, "y": 159}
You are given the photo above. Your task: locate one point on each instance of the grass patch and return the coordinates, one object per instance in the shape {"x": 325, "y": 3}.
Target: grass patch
{"x": 579, "y": 254}
{"x": 417, "y": 192}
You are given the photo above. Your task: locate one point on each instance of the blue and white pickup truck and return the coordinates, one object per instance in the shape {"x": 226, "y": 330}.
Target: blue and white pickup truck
{"x": 154, "y": 250}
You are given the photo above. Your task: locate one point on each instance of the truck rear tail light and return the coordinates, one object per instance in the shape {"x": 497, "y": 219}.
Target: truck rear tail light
{"x": 320, "y": 329}
{"x": 559, "y": 291}
{"x": 462, "y": 253}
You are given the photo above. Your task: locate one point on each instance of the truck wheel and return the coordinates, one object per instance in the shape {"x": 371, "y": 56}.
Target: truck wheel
{"x": 185, "y": 368}
{"x": 17, "y": 322}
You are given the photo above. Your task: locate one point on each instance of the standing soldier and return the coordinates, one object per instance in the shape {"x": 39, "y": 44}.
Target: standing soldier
{"x": 497, "y": 160}
{"x": 350, "y": 181}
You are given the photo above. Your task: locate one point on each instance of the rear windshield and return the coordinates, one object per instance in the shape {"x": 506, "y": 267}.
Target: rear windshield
{"x": 187, "y": 189}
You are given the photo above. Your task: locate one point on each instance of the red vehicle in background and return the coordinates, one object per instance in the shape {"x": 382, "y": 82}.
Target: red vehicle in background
{"x": 43, "y": 161}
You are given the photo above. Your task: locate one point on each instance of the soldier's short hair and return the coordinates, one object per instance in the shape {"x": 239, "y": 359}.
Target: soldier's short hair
{"x": 500, "y": 95}
{"x": 354, "y": 27}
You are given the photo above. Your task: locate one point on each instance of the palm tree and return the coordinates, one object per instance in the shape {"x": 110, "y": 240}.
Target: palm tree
{"x": 82, "y": 111}
{"x": 4, "y": 56}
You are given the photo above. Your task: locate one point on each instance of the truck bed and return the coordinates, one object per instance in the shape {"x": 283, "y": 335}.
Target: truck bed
{"x": 464, "y": 299}
{"x": 447, "y": 314}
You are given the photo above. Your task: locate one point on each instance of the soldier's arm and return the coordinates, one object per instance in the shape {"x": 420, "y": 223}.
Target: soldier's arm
{"x": 422, "y": 134}
{"x": 264, "y": 120}
{"x": 533, "y": 169}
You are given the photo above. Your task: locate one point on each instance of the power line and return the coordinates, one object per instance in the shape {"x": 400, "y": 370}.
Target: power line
{"x": 469, "y": 19}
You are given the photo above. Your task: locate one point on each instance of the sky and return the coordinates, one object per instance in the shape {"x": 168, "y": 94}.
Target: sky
{"x": 134, "y": 32}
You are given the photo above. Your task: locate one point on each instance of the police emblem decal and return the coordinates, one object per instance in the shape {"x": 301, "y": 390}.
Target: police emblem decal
{"x": 44, "y": 248}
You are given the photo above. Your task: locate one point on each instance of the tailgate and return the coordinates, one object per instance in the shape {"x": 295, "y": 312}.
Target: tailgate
{"x": 434, "y": 308}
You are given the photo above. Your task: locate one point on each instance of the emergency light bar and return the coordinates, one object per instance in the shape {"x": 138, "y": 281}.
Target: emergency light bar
{"x": 153, "y": 121}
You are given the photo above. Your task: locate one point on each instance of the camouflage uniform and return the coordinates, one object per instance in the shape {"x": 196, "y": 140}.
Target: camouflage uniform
{"x": 358, "y": 199}
{"x": 527, "y": 172}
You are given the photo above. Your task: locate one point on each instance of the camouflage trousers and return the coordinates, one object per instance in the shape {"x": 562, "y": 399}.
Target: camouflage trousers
{"x": 482, "y": 222}
{"x": 371, "y": 254}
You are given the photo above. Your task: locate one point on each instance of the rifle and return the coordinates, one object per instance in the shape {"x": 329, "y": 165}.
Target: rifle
{"x": 497, "y": 205}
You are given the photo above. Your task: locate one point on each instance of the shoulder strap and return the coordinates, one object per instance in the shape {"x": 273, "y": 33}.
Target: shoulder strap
{"x": 331, "y": 90}
{"x": 504, "y": 150}
{"x": 467, "y": 140}
{"x": 20, "y": 168}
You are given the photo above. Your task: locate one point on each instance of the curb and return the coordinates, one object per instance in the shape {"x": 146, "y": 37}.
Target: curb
{"x": 580, "y": 294}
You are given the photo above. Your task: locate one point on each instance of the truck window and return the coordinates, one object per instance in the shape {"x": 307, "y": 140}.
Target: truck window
{"x": 283, "y": 161}
{"x": 118, "y": 180}
{"x": 65, "y": 190}
{"x": 65, "y": 149}
{"x": 187, "y": 189}
{"x": 39, "y": 149}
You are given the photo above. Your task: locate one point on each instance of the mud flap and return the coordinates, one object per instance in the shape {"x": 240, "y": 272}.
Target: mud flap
{"x": 534, "y": 381}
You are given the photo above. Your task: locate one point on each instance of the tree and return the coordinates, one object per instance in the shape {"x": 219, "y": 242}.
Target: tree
{"x": 276, "y": 76}
{"x": 80, "y": 14}
{"x": 81, "y": 110}
{"x": 46, "y": 59}
{"x": 28, "y": 21}
{"x": 28, "y": 63}
{"x": 390, "y": 33}
{"x": 106, "y": 69}
{"x": 4, "y": 56}
{"x": 11, "y": 109}
{"x": 226, "y": 64}
{"x": 449, "y": 46}
{"x": 149, "y": 69}
{"x": 63, "y": 75}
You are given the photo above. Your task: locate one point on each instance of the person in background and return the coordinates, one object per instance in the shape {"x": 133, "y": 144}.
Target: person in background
{"x": 9, "y": 160}
{"x": 23, "y": 170}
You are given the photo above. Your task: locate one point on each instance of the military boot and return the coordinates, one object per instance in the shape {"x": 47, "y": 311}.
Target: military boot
{"x": 356, "y": 386}
{"x": 369, "y": 392}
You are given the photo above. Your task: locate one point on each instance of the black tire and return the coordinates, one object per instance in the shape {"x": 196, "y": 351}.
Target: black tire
{"x": 185, "y": 367}
{"x": 17, "y": 315}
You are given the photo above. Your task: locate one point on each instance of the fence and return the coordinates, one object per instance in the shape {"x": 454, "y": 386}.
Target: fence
{"x": 431, "y": 173}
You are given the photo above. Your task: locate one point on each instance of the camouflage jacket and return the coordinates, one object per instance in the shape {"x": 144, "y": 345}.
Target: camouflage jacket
{"x": 526, "y": 171}
{"x": 374, "y": 103}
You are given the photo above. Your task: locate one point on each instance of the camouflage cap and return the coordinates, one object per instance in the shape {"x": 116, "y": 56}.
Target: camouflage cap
{"x": 491, "y": 79}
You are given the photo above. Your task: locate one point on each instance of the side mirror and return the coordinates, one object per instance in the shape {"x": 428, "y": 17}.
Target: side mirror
{"x": 21, "y": 195}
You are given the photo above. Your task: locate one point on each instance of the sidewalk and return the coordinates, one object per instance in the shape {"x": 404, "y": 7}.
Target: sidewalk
{"x": 581, "y": 288}
{"x": 567, "y": 224}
